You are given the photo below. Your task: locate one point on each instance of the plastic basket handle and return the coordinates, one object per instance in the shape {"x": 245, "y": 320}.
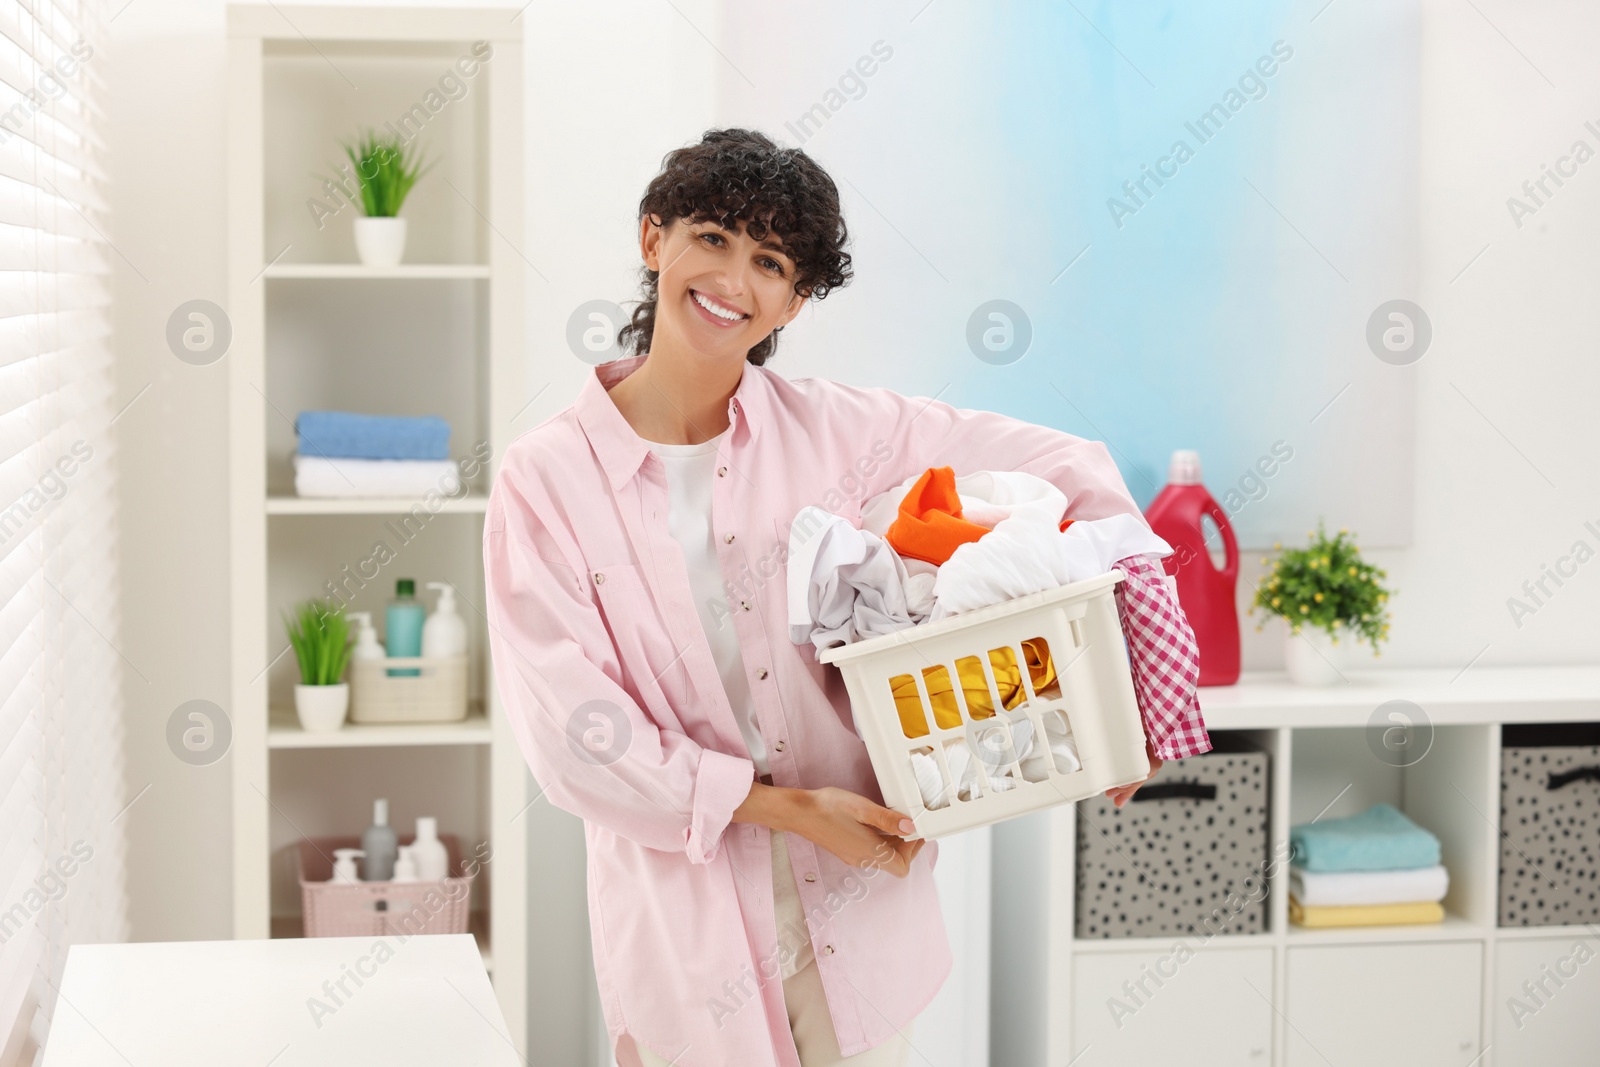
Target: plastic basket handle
{"x": 1576, "y": 774}
{"x": 1178, "y": 791}
{"x": 1230, "y": 569}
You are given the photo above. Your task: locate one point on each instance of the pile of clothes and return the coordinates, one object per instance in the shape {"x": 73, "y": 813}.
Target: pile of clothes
{"x": 941, "y": 544}
{"x": 1374, "y": 869}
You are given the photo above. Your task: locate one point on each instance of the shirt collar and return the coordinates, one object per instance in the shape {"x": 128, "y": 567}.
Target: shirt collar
{"x": 620, "y": 449}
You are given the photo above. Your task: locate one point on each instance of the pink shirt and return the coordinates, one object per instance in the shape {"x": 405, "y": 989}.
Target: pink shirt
{"x": 608, "y": 679}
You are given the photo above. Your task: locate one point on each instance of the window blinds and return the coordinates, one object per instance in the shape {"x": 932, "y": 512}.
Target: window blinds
{"x": 61, "y": 713}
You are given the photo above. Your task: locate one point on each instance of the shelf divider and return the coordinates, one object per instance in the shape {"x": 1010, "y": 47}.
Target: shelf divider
{"x": 362, "y": 272}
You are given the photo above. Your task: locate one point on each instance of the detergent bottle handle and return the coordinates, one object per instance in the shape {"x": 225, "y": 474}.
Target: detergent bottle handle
{"x": 1230, "y": 545}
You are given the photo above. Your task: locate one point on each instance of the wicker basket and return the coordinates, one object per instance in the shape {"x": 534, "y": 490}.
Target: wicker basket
{"x": 380, "y": 909}
{"x": 437, "y": 694}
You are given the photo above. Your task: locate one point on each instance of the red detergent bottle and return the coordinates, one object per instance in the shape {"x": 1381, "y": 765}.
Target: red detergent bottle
{"x": 1206, "y": 593}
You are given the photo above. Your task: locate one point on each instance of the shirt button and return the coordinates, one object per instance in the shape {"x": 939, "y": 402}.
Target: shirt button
{"x": 728, "y": 539}
{"x": 779, "y": 745}
{"x": 761, "y": 672}
{"x": 827, "y": 950}
{"x": 745, "y": 604}
{"x": 811, "y": 877}
{"x": 722, "y": 472}
{"x": 599, "y": 578}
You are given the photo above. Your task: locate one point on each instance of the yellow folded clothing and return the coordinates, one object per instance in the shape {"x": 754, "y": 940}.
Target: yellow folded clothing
{"x": 1330, "y": 915}
{"x": 974, "y": 687}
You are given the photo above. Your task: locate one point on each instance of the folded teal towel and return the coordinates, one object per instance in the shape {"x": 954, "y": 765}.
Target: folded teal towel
{"x": 1379, "y": 839}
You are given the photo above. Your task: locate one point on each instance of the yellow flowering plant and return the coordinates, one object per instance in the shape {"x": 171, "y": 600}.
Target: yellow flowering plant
{"x": 1328, "y": 585}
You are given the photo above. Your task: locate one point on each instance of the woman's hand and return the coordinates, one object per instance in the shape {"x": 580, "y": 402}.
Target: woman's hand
{"x": 1124, "y": 793}
{"x": 855, "y": 829}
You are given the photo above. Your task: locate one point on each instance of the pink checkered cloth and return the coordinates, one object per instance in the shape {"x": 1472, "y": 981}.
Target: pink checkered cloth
{"x": 1165, "y": 660}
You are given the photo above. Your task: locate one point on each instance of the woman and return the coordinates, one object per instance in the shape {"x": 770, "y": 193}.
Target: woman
{"x": 633, "y": 550}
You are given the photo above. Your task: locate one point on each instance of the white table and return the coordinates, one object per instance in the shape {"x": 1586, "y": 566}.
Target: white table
{"x": 422, "y": 1000}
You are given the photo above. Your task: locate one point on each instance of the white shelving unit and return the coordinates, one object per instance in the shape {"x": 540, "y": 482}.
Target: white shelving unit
{"x": 313, "y": 329}
{"x": 1289, "y": 996}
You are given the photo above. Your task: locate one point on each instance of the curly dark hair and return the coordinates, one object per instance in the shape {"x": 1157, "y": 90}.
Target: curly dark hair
{"x": 735, "y": 176}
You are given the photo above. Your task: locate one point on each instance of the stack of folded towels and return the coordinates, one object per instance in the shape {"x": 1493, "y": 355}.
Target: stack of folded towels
{"x": 1374, "y": 869}
{"x": 345, "y": 454}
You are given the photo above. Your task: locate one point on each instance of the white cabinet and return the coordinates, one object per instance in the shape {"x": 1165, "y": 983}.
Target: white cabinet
{"x": 1417, "y": 1005}
{"x": 1543, "y": 1011}
{"x": 1203, "y": 1006}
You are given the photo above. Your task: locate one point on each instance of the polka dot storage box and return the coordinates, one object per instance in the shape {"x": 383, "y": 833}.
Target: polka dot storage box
{"x": 1550, "y": 825}
{"x": 1186, "y": 856}
{"x": 962, "y": 699}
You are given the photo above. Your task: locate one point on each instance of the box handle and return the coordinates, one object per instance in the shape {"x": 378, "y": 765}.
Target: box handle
{"x": 1576, "y": 774}
{"x": 1179, "y": 791}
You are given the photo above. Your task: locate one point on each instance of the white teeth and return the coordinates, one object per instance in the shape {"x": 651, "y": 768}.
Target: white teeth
{"x": 729, "y": 316}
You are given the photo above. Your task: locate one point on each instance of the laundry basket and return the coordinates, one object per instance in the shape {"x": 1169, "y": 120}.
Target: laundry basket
{"x": 969, "y": 679}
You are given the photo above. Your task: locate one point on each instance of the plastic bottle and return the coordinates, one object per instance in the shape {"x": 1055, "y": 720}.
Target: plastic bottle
{"x": 344, "y": 865}
{"x": 367, "y": 646}
{"x": 445, "y": 632}
{"x": 1206, "y": 593}
{"x": 405, "y": 865}
{"x": 403, "y": 626}
{"x": 433, "y": 859}
{"x": 379, "y": 843}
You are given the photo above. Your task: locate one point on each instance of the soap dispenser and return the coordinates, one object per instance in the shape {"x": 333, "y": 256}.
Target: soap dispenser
{"x": 367, "y": 646}
{"x": 445, "y": 633}
{"x": 344, "y": 865}
{"x": 379, "y": 843}
{"x": 433, "y": 859}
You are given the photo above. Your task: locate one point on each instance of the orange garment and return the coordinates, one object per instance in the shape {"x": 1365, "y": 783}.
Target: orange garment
{"x": 930, "y": 526}
{"x": 975, "y": 689}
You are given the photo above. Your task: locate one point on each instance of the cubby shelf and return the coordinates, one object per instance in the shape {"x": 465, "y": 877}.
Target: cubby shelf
{"x": 1453, "y": 928}
{"x": 1322, "y": 764}
{"x": 283, "y": 731}
{"x": 314, "y": 330}
{"x": 360, "y": 271}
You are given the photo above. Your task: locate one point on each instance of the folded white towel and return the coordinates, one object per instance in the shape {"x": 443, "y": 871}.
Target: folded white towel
{"x": 318, "y": 476}
{"x": 1415, "y": 885}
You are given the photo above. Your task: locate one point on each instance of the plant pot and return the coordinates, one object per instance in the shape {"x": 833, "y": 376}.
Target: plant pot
{"x": 321, "y": 708}
{"x": 1313, "y": 659}
{"x": 380, "y": 240}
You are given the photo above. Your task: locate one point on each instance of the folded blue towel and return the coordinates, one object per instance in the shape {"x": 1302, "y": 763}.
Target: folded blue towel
{"x": 1379, "y": 839}
{"x": 333, "y": 434}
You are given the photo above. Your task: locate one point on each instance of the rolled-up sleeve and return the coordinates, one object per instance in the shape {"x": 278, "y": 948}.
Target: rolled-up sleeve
{"x": 592, "y": 748}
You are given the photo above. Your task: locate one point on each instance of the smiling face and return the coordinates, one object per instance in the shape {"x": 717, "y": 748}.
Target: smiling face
{"x": 720, "y": 292}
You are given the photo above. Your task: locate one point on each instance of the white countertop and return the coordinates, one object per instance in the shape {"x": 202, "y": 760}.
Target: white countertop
{"x": 256, "y": 1003}
{"x": 1473, "y": 695}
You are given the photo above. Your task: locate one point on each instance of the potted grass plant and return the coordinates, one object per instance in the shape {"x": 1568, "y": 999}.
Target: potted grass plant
{"x": 1331, "y": 599}
{"x": 386, "y": 168}
{"x": 322, "y": 645}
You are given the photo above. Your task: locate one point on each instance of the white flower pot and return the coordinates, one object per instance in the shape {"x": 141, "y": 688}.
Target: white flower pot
{"x": 380, "y": 241}
{"x": 321, "y": 708}
{"x": 1313, "y": 659}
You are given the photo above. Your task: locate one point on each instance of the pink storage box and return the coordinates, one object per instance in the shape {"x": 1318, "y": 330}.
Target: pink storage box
{"x": 380, "y": 909}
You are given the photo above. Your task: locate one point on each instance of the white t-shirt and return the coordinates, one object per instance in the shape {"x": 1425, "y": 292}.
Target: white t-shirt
{"x": 690, "y": 470}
